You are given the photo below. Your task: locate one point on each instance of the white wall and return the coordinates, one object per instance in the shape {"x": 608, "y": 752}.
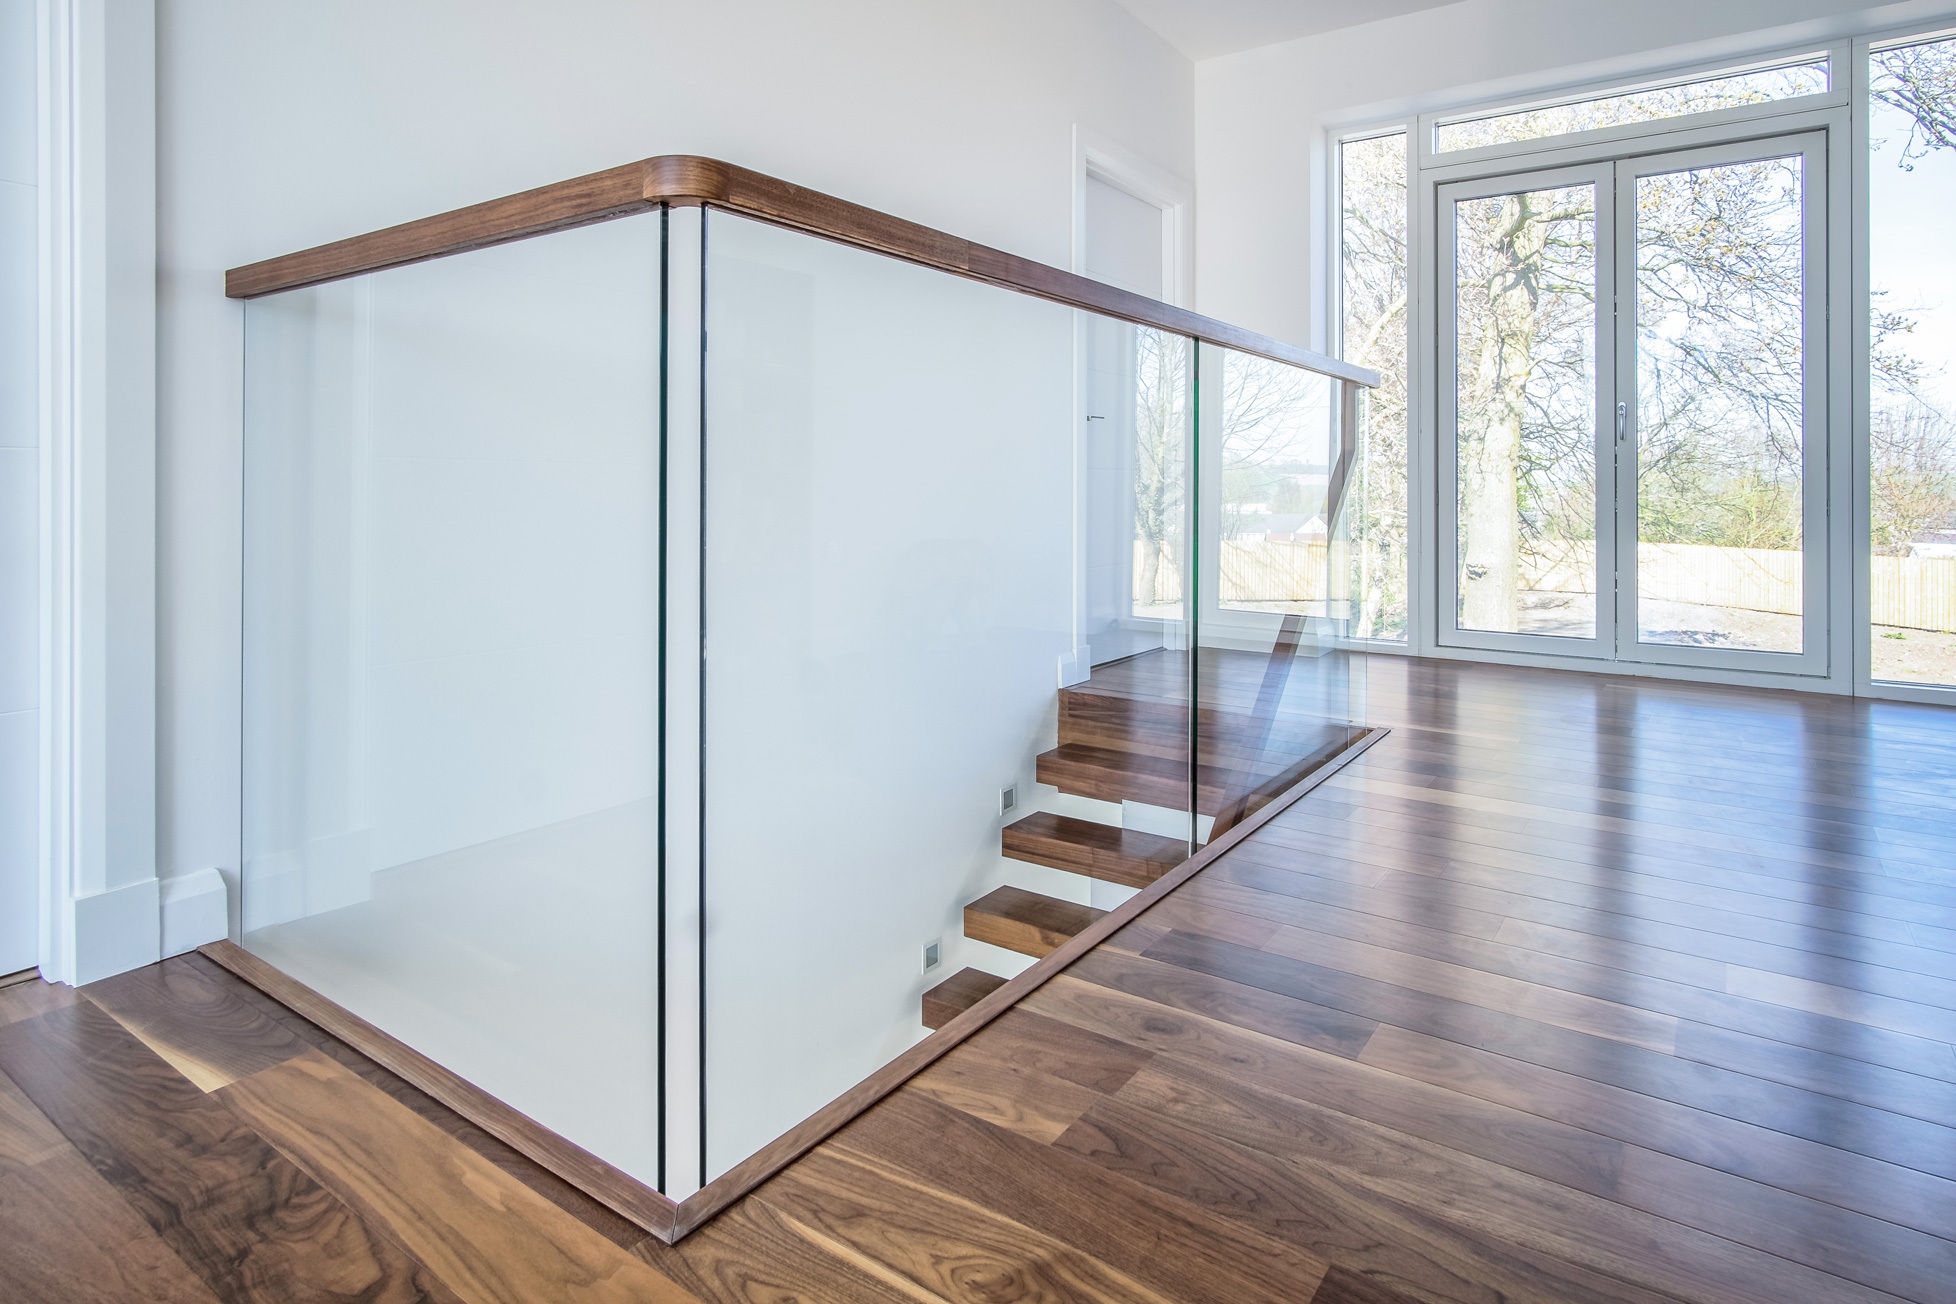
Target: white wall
{"x": 1261, "y": 115}
{"x": 284, "y": 125}
{"x": 19, "y": 493}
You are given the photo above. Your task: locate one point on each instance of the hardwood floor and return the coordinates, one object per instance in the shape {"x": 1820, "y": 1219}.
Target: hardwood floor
{"x": 1570, "y": 989}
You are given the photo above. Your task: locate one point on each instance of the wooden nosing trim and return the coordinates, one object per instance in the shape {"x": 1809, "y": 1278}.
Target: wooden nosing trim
{"x": 649, "y": 1209}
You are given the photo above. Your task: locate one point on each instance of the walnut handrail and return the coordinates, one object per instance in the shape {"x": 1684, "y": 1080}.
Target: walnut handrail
{"x": 686, "y": 180}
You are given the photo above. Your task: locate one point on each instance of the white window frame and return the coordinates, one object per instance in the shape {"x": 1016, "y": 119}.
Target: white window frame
{"x": 1835, "y": 96}
{"x": 1417, "y": 615}
{"x": 1862, "y": 528}
{"x": 1841, "y": 114}
{"x": 1447, "y": 630}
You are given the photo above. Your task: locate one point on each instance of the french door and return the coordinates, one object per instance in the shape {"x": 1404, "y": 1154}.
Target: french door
{"x": 1632, "y": 412}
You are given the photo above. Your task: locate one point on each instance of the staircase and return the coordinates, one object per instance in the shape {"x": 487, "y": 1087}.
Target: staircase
{"x": 1124, "y": 736}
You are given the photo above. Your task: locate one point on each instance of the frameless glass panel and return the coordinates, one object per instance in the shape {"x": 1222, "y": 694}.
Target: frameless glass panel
{"x": 1135, "y": 475}
{"x": 1912, "y": 416}
{"x": 1275, "y": 437}
{"x": 450, "y": 630}
{"x": 1276, "y": 693}
{"x": 1721, "y": 412}
{"x": 1651, "y": 104}
{"x": 946, "y": 650}
{"x": 1372, "y": 249}
{"x": 1525, "y": 284}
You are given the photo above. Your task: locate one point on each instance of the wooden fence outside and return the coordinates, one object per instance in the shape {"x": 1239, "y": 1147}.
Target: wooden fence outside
{"x": 1905, "y": 592}
{"x": 1252, "y": 571}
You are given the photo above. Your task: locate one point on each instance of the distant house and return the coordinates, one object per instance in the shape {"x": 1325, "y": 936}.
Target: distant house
{"x": 1280, "y": 527}
{"x": 1933, "y": 543}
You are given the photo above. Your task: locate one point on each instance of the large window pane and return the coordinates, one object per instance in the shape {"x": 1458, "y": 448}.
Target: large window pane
{"x": 1525, "y": 435}
{"x": 1758, "y": 86}
{"x": 1912, "y": 494}
{"x": 1372, "y": 265}
{"x": 1721, "y": 409}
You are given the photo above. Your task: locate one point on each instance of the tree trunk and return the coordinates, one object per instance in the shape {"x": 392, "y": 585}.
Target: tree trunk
{"x": 1490, "y": 436}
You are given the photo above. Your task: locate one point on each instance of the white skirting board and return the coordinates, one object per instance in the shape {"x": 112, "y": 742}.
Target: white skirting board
{"x": 116, "y": 930}
{"x": 140, "y": 923}
{"x": 195, "y": 909}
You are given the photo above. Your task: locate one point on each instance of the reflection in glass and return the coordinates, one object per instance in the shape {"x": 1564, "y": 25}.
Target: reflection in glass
{"x": 1525, "y": 403}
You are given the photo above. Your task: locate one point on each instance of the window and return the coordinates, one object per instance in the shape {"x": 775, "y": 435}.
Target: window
{"x": 1650, "y": 104}
{"x": 1372, "y": 273}
{"x": 1912, "y": 392}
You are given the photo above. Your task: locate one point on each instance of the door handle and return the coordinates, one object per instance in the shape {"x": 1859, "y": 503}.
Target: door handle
{"x": 1622, "y": 421}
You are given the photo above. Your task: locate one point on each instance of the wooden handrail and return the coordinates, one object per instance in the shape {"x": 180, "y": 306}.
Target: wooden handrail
{"x": 685, "y": 180}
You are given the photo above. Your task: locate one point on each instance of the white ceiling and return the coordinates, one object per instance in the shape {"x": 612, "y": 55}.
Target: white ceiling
{"x": 1202, "y": 29}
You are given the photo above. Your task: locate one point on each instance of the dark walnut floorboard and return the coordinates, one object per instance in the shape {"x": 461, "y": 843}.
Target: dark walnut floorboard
{"x": 1573, "y": 989}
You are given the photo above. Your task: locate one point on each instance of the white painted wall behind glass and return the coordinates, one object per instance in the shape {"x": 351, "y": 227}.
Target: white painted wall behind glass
{"x": 284, "y": 125}
{"x": 451, "y": 664}
{"x": 889, "y": 569}
{"x": 19, "y": 494}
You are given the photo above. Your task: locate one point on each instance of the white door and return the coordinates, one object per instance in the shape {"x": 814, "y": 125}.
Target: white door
{"x": 1526, "y": 338}
{"x": 1124, "y": 247}
{"x": 1722, "y": 373}
{"x": 1632, "y": 409}
{"x": 20, "y": 529}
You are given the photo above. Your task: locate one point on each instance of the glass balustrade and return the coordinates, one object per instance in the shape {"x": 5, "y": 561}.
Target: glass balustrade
{"x": 687, "y": 659}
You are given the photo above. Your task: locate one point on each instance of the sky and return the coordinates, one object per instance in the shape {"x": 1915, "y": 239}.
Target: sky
{"x": 1910, "y": 251}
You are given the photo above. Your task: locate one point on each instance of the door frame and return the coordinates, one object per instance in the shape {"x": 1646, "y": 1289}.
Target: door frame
{"x": 1095, "y": 157}
{"x": 1429, "y": 591}
{"x": 1446, "y": 537}
{"x": 1816, "y": 544}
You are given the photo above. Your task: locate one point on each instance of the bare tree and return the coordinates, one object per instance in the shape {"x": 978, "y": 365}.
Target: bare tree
{"x": 1373, "y": 295}
{"x": 1919, "y": 81}
{"x": 1912, "y": 483}
{"x": 1524, "y": 313}
{"x": 1912, "y": 440}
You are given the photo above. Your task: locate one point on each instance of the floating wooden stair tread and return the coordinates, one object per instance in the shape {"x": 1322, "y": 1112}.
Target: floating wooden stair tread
{"x": 1096, "y": 850}
{"x": 1156, "y": 728}
{"x": 956, "y": 994}
{"x": 1023, "y": 921}
{"x": 1108, "y": 774}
